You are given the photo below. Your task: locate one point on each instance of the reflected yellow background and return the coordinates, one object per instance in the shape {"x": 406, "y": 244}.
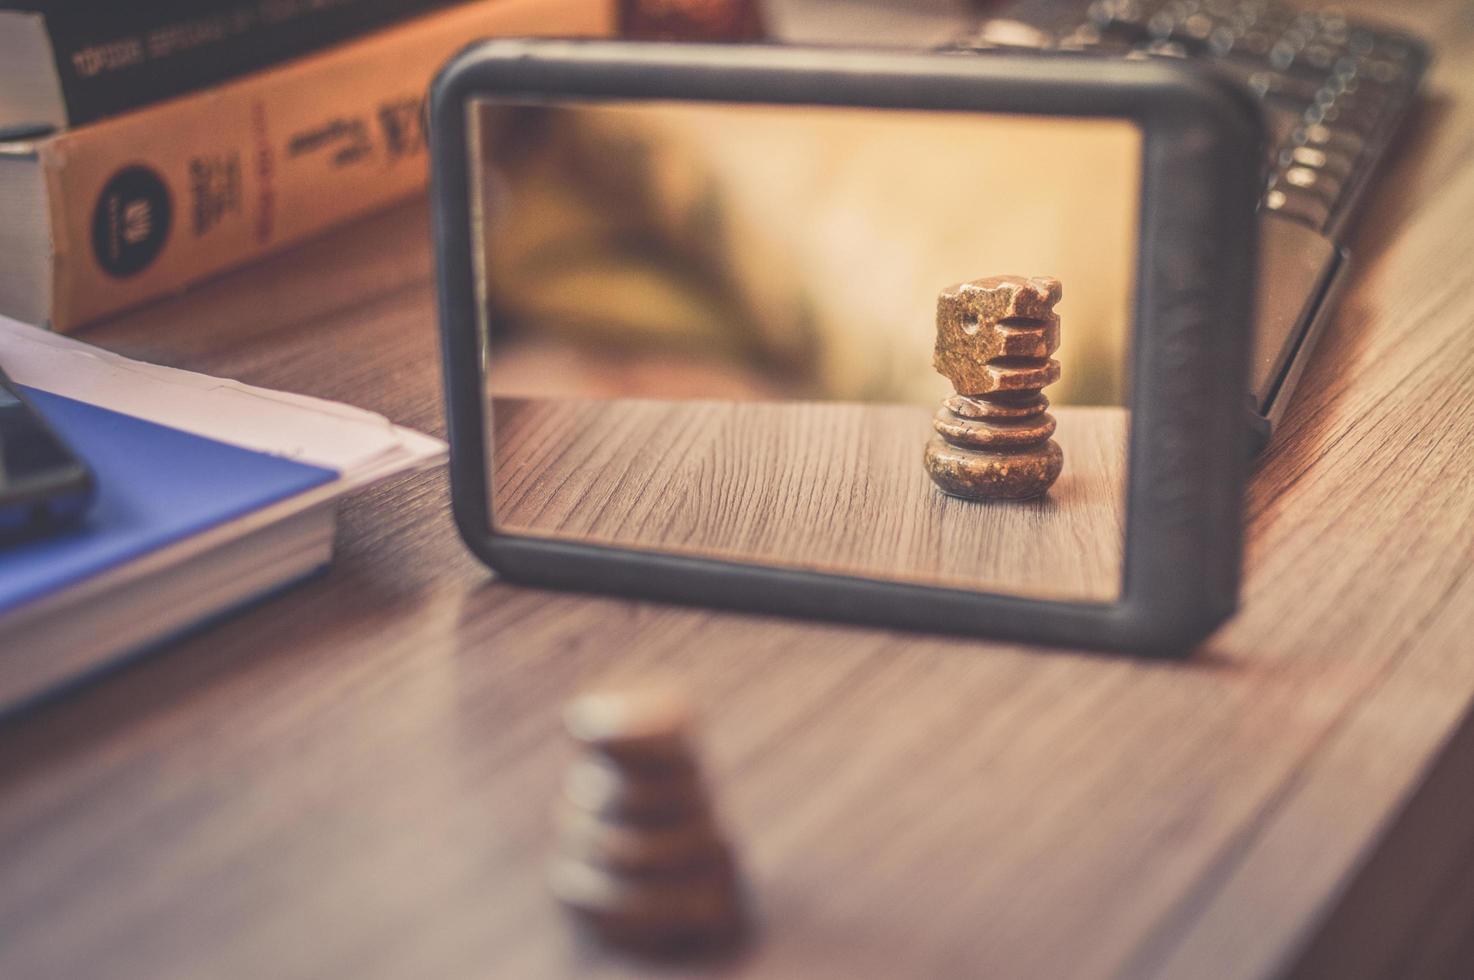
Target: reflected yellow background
{"x": 796, "y": 245}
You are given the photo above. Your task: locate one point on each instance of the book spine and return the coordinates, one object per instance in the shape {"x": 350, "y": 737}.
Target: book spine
{"x": 145, "y": 204}
{"x": 112, "y": 57}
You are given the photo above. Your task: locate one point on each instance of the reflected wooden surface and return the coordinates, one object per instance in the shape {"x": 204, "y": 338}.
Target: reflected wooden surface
{"x": 821, "y": 486}
{"x": 353, "y": 779}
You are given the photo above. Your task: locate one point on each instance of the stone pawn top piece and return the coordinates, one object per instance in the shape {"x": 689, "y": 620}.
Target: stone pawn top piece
{"x": 998, "y": 317}
{"x": 647, "y": 724}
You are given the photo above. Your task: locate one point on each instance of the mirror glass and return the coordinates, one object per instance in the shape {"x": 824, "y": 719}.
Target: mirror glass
{"x": 715, "y": 330}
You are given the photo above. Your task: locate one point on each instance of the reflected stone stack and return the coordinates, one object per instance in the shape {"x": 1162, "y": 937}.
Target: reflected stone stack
{"x": 994, "y": 341}
{"x": 641, "y": 860}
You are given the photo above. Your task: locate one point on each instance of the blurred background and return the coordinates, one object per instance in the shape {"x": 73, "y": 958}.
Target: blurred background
{"x": 721, "y": 250}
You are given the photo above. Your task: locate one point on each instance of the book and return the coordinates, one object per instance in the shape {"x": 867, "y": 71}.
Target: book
{"x": 210, "y": 494}
{"x": 69, "y": 62}
{"x": 101, "y": 218}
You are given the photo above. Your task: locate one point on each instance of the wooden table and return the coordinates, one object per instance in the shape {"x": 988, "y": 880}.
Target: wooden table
{"x": 823, "y": 486}
{"x": 352, "y": 779}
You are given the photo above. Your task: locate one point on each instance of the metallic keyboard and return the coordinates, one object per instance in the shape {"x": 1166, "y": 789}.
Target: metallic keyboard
{"x": 1335, "y": 93}
{"x": 1334, "y": 90}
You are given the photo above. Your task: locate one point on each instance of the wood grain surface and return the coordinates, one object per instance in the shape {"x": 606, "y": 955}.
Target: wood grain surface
{"x": 834, "y": 487}
{"x": 353, "y": 779}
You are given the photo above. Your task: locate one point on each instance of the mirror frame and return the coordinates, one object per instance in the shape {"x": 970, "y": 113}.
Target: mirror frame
{"x": 1189, "y": 357}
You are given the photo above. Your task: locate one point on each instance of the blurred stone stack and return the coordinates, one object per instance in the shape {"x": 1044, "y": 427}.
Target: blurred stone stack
{"x": 641, "y": 860}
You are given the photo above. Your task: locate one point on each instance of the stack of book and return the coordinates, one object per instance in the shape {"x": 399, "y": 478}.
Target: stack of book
{"x": 210, "y": 494}
{"x": 145, "y": 146}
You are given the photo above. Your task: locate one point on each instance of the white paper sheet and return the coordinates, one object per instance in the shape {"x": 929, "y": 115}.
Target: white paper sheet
{"x": 360, "y": 445}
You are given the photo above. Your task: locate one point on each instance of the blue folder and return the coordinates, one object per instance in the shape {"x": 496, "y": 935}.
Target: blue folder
{"x": 155, "y": 486}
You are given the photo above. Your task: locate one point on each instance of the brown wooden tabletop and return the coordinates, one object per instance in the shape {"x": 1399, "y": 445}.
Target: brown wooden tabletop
{"x": 799, "y": 464}
{"x": 353, "y": 779}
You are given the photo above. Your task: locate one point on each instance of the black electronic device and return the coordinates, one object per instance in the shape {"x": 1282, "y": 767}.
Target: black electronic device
{"x": 767, "y": 505}
{"x": 1335, "y": 92}
{"x": 44, "y": 486}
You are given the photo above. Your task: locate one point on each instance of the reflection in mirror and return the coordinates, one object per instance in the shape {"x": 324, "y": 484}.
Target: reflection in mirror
{"x": 731, "y": 331}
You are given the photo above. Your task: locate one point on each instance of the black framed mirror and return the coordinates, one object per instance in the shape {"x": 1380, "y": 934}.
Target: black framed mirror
{"x": 708, "y": 314}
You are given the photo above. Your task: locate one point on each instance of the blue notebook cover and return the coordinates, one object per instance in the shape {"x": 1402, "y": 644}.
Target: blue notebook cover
{"x": 155, "y": 486}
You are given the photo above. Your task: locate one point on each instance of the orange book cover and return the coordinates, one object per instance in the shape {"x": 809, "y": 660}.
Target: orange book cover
{"x": 144, "y": 204}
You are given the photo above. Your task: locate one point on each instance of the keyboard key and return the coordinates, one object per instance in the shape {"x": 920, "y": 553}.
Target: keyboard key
{"x": 1331, "y": 89}
{"x": 1300, "y": 206}
{"x": 1317, "y": 182}
{"x": 1384, "y": 71}
{"x": 1010, "y": 34}
{"x": 1198, "y": 27}
{"x": 1119, "y": 19}
{"x": 1316, "y": 158}
{"x": 1284, "y": 123}
{"x": 1255, "y": 43}
{"x": 1343, "y": 117}
{"x": 1319, "y": 56}
{"x": 1267, "y": 83}
{"x": 1221, "y": 40}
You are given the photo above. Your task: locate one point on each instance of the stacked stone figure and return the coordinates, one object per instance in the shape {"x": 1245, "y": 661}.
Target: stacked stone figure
{"x": 994, "y": 341}
{"x": 641, "y": 860}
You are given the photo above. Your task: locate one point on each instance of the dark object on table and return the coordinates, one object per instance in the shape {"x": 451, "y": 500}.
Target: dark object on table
{"x": 691, "y": 20}
{"x": 640, "y": 859}
{"x": 44, "y": 486}
{"x": 65, "y": 64}
{"x": 994, "y": 341}
{"x": 1335, "y": 92}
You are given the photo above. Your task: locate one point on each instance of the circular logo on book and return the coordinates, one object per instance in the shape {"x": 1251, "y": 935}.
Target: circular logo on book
{"x": 131, "y": 221}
